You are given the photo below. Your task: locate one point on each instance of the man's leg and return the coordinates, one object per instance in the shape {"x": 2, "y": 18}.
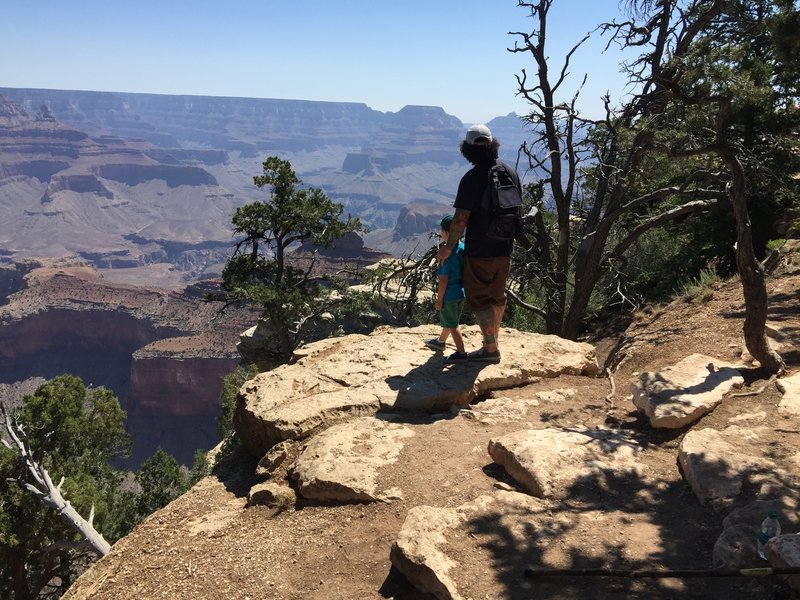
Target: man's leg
{"x": 487, "y": 321}
{"x": 481, "y": 285}
{"x": 498, "y": 318}
{"x": 500, "y": 300}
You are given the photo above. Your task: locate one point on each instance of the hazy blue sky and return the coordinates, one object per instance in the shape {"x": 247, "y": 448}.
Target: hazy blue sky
{"x": 387, "y": 54}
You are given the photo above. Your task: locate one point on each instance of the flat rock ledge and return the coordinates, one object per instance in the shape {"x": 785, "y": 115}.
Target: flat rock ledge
{"x": 681, "y": 394}
{"x": 340, "y": 379}
{"x": 549, "y": 462}
{"x": 500, "y": 409}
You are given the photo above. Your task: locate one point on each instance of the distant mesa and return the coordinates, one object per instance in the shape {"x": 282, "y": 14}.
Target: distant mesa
{"x": 45, "y": 114}
{"x": 417, "y": 219}
{"x": 80, "y": 184}
{"x": 11, "y": 113}
{"x": 349, "y": 250}
{"x": 42, "y": 170}
{"x": 358, "y": 163}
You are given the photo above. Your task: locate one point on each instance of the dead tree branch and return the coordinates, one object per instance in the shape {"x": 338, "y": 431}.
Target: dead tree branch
{"x": 44, "y": 488}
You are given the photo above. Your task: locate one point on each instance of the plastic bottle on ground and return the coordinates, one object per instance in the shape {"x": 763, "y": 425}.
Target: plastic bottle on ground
{"x": 769, "y": 529}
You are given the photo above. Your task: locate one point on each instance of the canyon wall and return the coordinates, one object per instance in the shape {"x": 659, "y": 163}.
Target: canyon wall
{"x": 133, "y": 181}
{"x": 115, "y": 219}
{"x": 163, "y": 353}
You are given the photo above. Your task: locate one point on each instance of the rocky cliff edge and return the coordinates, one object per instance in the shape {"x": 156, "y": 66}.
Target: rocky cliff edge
{"x": 375, "y": 471}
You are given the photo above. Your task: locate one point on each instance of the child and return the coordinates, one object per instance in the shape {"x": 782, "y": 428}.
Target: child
{"x": 450, "y": 298}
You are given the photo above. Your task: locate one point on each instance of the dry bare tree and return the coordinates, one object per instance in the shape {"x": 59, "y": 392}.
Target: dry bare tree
{"x": 595, "y": 170}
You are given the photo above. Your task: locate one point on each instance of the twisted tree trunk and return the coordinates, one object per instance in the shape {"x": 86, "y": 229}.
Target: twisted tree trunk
{"x": 751, "y": 271}
{"x": 752, "y": 274}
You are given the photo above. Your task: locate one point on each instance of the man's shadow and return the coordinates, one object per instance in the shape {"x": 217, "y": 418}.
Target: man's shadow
{"x": 435, "y": 386}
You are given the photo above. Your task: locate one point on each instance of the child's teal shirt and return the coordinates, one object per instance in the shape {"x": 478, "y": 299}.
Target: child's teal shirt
{"x": 453, "y": 267}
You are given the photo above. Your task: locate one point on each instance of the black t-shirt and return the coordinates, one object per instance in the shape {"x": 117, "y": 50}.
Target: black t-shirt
{"x": 470, "y": 193}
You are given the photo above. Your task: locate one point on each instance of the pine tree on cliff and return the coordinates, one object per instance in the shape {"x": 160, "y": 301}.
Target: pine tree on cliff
{"x": 258, "y": 272}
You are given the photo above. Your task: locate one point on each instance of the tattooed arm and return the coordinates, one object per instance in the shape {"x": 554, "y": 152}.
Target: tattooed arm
{"x": 457, "y": 228}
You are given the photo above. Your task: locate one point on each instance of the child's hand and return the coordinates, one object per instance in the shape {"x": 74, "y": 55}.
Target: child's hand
{"x": 439, "y": 304}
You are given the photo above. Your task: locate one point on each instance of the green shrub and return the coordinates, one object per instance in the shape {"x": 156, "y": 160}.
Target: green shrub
{"x": 230, "y": 392}
{"x": 701, "y": 288}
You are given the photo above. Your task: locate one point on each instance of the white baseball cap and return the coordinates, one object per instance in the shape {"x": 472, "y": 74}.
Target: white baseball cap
{"x": 478, "y": 135}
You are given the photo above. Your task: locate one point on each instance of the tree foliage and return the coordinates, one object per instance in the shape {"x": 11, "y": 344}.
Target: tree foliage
{"x": 660, "y": 157}
{"x": 723, "y": 99}
{"x": 75, "y": 433}
{"x": 161, "y": 480}
{"x": 230, "y": 392}
{"x": 292, "y": 299}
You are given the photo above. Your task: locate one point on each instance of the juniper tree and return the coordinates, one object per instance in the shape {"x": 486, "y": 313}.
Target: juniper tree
{"x": 258, "y": 272}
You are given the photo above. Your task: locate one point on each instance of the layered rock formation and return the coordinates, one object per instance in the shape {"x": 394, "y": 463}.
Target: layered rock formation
{"x": 67, "y": 193}
{"x": 390, "y": 370}
{"x": 163, "y": 353}
{"x": 130, "y": 180}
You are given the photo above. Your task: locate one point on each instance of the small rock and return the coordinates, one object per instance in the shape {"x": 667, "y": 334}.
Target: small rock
{"x": 277, "y": 456}
{"x": 790, "y": 388}
{"x": 784, "y": 551}
{"x": 273, "y": 495}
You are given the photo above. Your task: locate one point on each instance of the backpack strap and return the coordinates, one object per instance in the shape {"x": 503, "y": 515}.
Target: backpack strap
{"x": 491, "y": 176}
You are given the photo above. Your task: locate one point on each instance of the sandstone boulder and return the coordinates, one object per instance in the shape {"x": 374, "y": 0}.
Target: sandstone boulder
{"x": 417, "y": 552}
{"x": 784, "y": 551}
{"x": 716, "y": 463}
{"x": 341, "y": 464}
{"x": 790, "y": 388}
{"x": 273, "y": 495}
{"x": 550, "y": 461}
{"x": 390, "y": 370}
{"x": 679, "y": 395}
{"x": 277, "y": 459}
{"x": 424, "y": 548}
{"x": 737, "y": 546}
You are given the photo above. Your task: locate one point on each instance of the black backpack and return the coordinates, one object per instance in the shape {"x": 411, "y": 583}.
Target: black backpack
{"x": 502, "y": 203}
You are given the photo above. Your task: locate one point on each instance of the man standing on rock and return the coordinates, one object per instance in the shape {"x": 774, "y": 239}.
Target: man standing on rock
{"x": 486, "y": 264}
